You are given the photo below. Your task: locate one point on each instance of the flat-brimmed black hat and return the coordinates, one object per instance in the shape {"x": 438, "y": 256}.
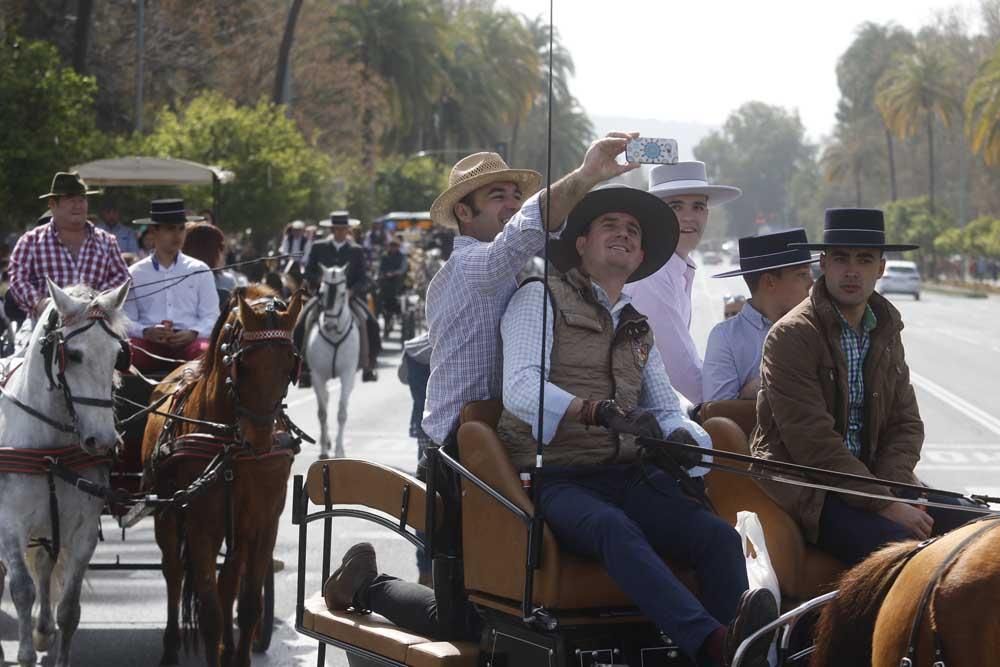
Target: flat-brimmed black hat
{"x": 166, "y": 212}
{"x": 660, "y": 230}
{"x": 854, "y": 228}
{"x": 337, "y": 219}
{"x": 68, "y": 184}
{"x": 769, "y": 252}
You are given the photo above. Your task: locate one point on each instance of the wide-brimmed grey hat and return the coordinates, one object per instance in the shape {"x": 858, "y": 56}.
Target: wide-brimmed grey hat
{"x": 660, "y": 230}
{"x": 689, "y": 178}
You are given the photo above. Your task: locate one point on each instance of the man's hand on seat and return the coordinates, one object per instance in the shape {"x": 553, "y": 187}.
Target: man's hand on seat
{"x": 918, "y": 522}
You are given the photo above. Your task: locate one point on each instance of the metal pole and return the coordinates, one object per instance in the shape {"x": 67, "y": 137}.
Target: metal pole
{"x": 140, "y": 47}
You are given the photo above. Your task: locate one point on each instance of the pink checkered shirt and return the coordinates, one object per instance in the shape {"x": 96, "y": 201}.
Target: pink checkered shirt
{"x": 39, "y": 254}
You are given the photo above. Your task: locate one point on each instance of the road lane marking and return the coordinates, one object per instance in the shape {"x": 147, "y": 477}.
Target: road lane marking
{"x": 979, "y": 416}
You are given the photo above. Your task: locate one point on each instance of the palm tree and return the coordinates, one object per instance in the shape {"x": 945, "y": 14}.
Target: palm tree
{"x": 915, "y": 90}
{"x": 982, "y": 110}
{"x": 844, "y": 159}
{"x": 398, "y": 42}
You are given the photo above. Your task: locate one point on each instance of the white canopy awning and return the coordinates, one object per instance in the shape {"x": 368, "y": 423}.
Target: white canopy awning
{"x": 150, "y": 171}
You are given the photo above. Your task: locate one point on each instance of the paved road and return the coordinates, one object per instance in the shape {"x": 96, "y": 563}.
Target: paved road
{"x": 952, "y": 351}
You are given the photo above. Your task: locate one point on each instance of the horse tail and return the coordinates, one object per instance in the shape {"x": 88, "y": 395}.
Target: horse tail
{"x": 845, "y": 626}
{"x": 190, "y": 606}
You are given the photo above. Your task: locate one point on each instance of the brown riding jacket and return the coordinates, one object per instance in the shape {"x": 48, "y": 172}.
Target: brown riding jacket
{"x": 802, "y": 407}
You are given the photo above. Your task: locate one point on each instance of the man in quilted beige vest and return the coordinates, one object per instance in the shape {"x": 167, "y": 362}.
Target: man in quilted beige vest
{"x": 606, "y": 384}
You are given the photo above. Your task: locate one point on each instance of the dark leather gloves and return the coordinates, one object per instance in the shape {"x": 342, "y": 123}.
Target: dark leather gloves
{"x": 687, "y": 459}
{"x": 608, "y": 414}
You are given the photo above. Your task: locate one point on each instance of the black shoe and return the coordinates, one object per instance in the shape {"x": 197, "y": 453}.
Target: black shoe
{"x": 369, "y": 376}
{"x": 756, "y": 609}
{"x": 357, "y": 570}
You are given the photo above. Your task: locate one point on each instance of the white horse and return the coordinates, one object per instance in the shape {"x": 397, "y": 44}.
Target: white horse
{"x": 82, "y": 351}
{"x": 332, "y": 348}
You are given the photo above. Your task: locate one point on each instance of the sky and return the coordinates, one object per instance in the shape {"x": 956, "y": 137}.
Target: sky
{"x": 699, "y": 60}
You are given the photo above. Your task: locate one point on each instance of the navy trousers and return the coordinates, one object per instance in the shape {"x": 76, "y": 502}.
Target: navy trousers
{"x": 851, "y": 534}
{"x": 615, "y": 516}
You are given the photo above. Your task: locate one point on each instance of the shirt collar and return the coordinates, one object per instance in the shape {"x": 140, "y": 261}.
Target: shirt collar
{"x": 340, "y": 245}
{"x": 52, "y": 231}
{"x": 868, "y": 320}
{"x": 754, "y": 317}
{"x": 603, "y": 298}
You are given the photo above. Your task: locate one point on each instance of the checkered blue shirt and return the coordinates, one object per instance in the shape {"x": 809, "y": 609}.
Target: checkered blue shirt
{"x": 855, "y": 347}
{"x": 465, "y": 301}
{"x": 522, "y": 345}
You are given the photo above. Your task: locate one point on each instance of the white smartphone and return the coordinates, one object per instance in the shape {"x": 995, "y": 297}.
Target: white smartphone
{"x": 651, "y": 150}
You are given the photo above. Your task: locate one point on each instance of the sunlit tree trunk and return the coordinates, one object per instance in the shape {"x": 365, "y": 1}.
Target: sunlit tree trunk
{"x": 892, "y": 164}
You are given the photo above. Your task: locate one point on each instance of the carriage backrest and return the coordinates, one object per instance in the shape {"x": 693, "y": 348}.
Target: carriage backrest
{"x": 371, "y": 485}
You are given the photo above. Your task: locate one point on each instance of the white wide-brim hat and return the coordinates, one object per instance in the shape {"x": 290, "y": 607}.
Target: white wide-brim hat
{"x": 689, "y": 178}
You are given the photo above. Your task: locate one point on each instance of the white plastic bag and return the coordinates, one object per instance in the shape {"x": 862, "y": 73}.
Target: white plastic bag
{"x": 760, "y": 571}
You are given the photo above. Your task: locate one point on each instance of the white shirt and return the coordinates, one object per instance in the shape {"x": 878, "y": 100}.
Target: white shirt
{"x": 665, "y": 299}
{"x": 522, "y": 344}
{"x": 170, "y": 293}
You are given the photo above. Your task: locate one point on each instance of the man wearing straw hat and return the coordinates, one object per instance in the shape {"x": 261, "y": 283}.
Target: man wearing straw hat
{"x": 778, "y": 278}
{"x": 499, "y": 215}
{"x": 836, "y": 394}
{"x": 665, "y": 296}
{"x": 68, "y": 249}
{"x": 174, "y": 304}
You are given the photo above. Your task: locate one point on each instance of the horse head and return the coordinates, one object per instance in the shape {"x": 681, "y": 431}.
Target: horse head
{"x": 333, "y": 289}
{"x": 262, "y": 362}
{"x": 82, "y": 339}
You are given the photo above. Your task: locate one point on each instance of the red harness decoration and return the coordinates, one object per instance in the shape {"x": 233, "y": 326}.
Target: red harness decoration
{"x": 36, "y": 461}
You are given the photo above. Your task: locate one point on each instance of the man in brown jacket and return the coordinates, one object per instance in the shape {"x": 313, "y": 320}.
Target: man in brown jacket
{"x": 836, "y": 394}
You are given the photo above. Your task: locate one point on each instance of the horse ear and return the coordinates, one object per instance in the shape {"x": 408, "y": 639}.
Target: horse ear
{"x": 65, "y": 304}
{"x": 246, "y": 312}
{"x": 114, "y": 298}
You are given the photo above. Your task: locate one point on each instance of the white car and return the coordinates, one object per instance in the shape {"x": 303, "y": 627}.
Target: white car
{"x": 900, "y": 277}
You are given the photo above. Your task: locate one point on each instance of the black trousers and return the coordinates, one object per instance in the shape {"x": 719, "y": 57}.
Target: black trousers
{"x": 413, "y": 607}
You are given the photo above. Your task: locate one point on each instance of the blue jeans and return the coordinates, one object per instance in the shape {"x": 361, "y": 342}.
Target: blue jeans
{"x": 611, "y": 514}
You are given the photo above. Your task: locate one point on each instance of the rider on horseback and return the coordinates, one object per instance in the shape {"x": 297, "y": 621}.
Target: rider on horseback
{"x": 340, "y": 250}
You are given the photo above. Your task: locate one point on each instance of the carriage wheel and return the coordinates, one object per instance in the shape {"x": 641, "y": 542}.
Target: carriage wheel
{"x": 262, "y": 638}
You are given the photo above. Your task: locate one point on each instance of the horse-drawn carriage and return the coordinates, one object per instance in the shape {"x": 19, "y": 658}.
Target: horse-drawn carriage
{"x": 541, "y": 605}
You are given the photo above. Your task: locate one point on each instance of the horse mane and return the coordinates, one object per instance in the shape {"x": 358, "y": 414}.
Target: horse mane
{"x": 250, "y": 293}
{"x": 845, "y": 626}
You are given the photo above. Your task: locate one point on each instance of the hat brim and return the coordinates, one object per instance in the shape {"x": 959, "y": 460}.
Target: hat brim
{"x": 741, "y": 272}
{"x": 86, "y": 193}
{"x": 442, "y": 212}
{"x": 887, "y": 247}
{"x": 660, "y": 230}
{"x": 717, "y": 194}
{"x": 149, "y": 221}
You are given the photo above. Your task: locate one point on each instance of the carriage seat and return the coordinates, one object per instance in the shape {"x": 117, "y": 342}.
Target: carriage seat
{"x": 494, "y": 540}
{"x": 804, "y": 571}
{"x": 372, "y": 486}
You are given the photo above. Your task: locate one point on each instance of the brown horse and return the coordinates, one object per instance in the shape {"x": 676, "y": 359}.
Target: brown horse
{"x": 870, "y": 620}
{"x": 239, "y": 385}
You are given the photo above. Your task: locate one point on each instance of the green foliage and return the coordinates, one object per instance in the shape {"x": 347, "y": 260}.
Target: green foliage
{"x": 408, "y": 184}
{"x": 279, "y": 175}
{"x": 982, "y": 110}
{"x": 913, "y": 221}
{"x": 48, "y": 124}
{"x": 979, "y": 238}
{"x": 917, "y": 87}
{"x": 760, "y": 149}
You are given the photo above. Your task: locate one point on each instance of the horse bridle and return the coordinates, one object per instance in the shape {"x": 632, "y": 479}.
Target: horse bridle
{"x": 240, "y": 342}
{"x": 330, "y": 292}
{"x": 53, "y": 350}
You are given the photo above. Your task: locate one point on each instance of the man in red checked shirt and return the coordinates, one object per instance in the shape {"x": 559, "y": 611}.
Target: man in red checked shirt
{"x": 69, "y": 249}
